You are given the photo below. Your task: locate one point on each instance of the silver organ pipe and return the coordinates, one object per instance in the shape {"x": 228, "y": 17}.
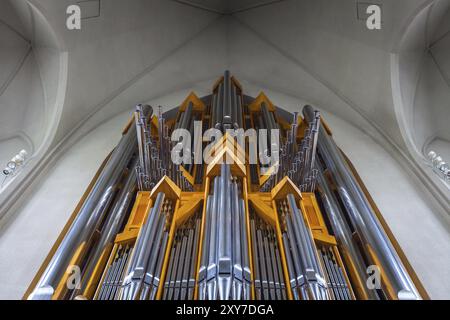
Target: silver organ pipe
{"x": 306, "y": 269}
{"x": 144, "y": 265}
{"x": 89, "y": 217}
{"x": 224, "y": 271}
{"x": 152, "y": 229}
{"x": 362, "y": 216}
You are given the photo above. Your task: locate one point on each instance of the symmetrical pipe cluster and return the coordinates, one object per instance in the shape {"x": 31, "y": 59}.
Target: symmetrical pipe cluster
{"x": 397, "y": 284}
{"x": 337, "y": 284}
{"x": 144, "y": 269}
{"x": 231, "y": 237}
{"x": 80, "y": 235}
{"x": 305, "y": 271}
{"x": 149, "y": 167}
{"x": 112, "y": 226}
{"x": 266, "y": 121}
{"x": 225, "y": 269}
{"x": 155, "y": 154}
{"x": 181, "y": 273}
{"x": 297, "y": 161}
{"x": 226, "y": 108}
{"x": 268, "y": 270}
{"x": 110, "y": 287}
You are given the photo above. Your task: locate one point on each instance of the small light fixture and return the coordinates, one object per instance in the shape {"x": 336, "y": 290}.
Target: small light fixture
{"x": 13, "y": 165}
{"x": 440, "y": 167}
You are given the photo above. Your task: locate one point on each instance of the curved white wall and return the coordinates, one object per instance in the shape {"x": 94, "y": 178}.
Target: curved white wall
{"x": 29, "y": 74}
{"x": 421, "y": 90}
{"x": 30, "y": 234}
{"x": 425, "y": 75}
{"x": 434, "y": 87}
{"x": 32, "y": 93}
{"x": 21, "y": 91}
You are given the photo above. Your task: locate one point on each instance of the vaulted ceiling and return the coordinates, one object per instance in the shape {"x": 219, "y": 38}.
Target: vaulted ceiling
{"x": 227, "y": 7}
{"x": 132, "y": 51}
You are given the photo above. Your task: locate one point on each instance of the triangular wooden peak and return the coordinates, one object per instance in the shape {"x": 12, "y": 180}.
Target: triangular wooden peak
{"x": 228, "y": 141}
{"x": 233, "y": 80}
{"x": 262, "y": 204}
{"x": 168, "y": 187}
{"x": 255, "y": 106}
{"x": 189, "y": 205}
{"x": 227, "y": 147}
{"x": 237, "y": 167}
{"x": 196, "y": 102}
{"x": 285, "y": 187}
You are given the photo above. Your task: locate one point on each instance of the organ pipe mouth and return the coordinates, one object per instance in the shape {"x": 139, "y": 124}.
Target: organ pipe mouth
{"x": 406, "y": 295}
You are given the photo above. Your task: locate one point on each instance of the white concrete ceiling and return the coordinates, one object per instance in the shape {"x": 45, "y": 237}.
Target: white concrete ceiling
{"x": 227, "y": 7}
{"x": 319, "y": 51}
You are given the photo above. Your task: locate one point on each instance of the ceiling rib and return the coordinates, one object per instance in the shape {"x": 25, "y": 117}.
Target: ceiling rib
{"x": 198, "y": 6}
{"x": 14, "y": 73}
{"x": 227, "y": 12}
{"x": 440, "y": 68}
{"x": 255, "y": 6}
{"x": 15, "y": 31}
{"x": 445, "y": 35}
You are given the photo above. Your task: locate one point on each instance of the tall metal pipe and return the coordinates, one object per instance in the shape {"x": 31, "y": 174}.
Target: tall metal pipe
{"x": 113, "y": 223}
{"x": 143, "y": 247}
{"x": 312, "y": 269}
{"x": 224, "y": 246}
{"x": 397, "y": 282}
{"x": 219, "y": 107}
{"x": 88, "y": 218}
{"x": 240, "y": 114}
{"x": 217, "y": 202}
{"x": 185, "y": 124}
{"x": 344, "y": 236}
{"x": 227, "y": 113}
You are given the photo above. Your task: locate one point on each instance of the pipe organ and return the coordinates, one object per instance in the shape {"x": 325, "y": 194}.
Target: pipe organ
{"x": 263, "y": 206}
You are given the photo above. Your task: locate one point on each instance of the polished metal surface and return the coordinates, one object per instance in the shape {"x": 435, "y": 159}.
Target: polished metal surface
{"x": 305, "y": 264}
{"x": 149, "y": 248}
{"x": 268, "y": 275}
{"x": 248, "y": 237}
{"x": 180, "y": 280}
{"x": 155, "y": 154}
{"x": 362, "y": 216}
{"x": 112, "y": 226}
{"x": 343, "y": 234}
{"x": 92, "y": 212}
{"x": 225, "y": 268}
{"x": 297, "y": 161}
